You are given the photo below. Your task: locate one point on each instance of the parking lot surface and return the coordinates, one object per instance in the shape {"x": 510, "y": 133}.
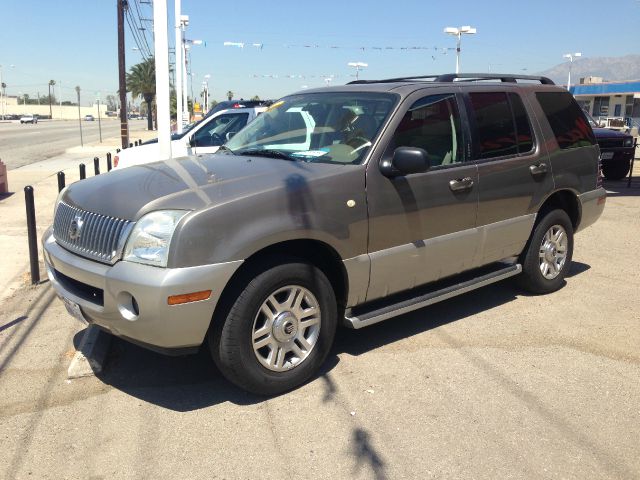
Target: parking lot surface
{"x": 492, "y": 384}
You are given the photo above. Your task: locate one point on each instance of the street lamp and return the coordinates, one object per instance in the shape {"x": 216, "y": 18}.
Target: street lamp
{"x": 458, "y": 32}
{"x": 358, "y": 66}
{"x": 571, "y": 56}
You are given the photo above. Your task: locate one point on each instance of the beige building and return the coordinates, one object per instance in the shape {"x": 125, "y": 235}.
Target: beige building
{"x": 9, "y": 106}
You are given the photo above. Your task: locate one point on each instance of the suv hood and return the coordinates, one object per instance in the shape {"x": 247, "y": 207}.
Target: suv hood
{"x": 189, "y": 183}
{"x": 608, "y": 133}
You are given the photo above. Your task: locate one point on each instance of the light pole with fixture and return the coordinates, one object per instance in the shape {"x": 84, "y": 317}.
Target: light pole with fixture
{"x": 570, "y": 56}
{"x": 358, "y": 66}
{"x": 458, "y": 32}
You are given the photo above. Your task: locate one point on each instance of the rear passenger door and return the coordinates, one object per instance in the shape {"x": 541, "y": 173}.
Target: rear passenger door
{"x": 514, "y": 171}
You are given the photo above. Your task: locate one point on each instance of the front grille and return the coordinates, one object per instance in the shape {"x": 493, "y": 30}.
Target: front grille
{"x": 80, "y": 289}
{"x": 610, "y": 143}
{"x": 94, "y": 236}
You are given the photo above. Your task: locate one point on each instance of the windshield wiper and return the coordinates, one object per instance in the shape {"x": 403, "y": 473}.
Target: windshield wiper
{"x": 224, "y": 148}
{"x": 259, "y": 152}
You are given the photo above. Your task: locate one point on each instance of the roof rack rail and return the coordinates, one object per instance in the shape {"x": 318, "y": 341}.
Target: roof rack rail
{"x": 503, "y": 77}
{"x": 392, "y": 80}
{"x": 465, "y": 77}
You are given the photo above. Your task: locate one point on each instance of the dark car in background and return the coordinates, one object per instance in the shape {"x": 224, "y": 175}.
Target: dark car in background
{"x": 616, "y": 150}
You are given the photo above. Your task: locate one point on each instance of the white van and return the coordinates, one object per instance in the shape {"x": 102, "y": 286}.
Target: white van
{"x": 206, "y": 136}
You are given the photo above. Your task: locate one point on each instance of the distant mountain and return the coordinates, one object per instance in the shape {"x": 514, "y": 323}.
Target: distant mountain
{"x": 609, "y": 68}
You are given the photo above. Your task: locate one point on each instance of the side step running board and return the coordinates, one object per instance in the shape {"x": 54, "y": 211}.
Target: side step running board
{"x": 364, "y": 319}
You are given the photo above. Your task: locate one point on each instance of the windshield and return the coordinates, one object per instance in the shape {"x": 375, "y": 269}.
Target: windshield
{"x": 317, "y": 127}
{"x": 591, "y": 120}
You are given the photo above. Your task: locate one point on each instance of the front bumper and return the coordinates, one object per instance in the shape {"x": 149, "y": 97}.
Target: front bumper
{"x": 591, "y": 207}
{"x": 105, "y": 295}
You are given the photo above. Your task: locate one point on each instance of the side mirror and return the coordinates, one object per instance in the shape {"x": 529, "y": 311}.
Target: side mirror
{"x": 192, "y": 141}
{"x": 230, "y": 135}
{"x": 406, "y": 161}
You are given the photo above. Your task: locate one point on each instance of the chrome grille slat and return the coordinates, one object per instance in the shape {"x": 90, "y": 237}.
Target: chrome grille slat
{"x": 100, "y": 235}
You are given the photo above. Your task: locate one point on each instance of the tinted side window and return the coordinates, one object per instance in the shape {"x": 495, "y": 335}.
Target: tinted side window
{"x": 523, "y": 127}
{"x": 433, "y": 124}
{"x": 214, "y": 133}
{"x": 494, "y": 124}
{"x": 569, "y": 125}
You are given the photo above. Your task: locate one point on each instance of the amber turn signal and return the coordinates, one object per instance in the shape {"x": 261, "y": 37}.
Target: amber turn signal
{"x": 188, "y": 297}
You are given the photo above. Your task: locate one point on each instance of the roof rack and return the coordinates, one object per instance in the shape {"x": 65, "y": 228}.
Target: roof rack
{"x": 465, "y": 77}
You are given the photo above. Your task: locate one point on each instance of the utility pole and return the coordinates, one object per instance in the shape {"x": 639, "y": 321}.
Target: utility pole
{"x": 79, "y": 116}
{"x": 99, "y": 121}
{"x": 122, "y": 79}
{"x": 161, "y": 45}
{"x": 178, "y": 67}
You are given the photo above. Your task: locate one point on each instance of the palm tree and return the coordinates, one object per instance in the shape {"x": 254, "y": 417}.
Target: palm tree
{"x": 229, "y": 94}
{"x": 51, "y": 84}
{"x": 141, "y": 81}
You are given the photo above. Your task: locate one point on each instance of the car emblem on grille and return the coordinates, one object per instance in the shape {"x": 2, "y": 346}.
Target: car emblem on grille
{"x": 76, "y": 227}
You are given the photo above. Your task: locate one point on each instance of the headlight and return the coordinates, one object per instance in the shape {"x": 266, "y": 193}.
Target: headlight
{"x": 151, "y": 237}
{"x": 628, "y": 142}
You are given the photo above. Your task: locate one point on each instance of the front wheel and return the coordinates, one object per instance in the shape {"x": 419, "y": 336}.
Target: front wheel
{"x": 278, "y": 331}
{"x": 548, "y": 253}
{"x": 616, "y": 170}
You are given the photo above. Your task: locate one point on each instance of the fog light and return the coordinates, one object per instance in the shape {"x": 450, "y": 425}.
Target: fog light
{"x": 189, "y": 297}
{"x": 128, "y": 306}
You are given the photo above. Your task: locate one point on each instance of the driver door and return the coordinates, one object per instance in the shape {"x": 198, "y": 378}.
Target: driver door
{"x": 422, "y": 225}
{"x": 213, "y": 134}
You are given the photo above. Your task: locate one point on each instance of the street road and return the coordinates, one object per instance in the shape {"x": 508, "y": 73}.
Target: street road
{"x": 25, "y": 144}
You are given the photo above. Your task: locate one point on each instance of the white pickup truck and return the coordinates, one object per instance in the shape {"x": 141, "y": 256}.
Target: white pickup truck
{"x": 206, "y": 136}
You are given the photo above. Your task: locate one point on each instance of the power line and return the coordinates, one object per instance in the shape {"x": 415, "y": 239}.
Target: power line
{"x": 144, "y": 49}
{"x": 141, "y": 28}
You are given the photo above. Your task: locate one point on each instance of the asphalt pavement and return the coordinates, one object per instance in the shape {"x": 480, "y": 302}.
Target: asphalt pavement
{"x": 22, "y": 144}
{"x": 492, "y": 384}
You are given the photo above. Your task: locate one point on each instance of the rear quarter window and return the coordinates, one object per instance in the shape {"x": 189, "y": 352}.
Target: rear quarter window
{"x": 567, "y": 122}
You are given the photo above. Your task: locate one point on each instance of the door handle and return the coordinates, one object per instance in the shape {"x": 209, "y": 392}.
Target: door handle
{"x": 539, "y": 169}
{"x": 461, "y": 184}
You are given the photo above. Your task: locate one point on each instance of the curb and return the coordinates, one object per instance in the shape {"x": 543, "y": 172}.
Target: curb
{"x": 91, "y": 353}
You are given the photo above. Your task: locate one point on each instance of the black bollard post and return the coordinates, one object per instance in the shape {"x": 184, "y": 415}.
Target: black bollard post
{"x": 130, "y": 145}
{"x": 117, "y": 150}
{"x": 96, "y": 166}
{"x": 32, "y": 234}
{"x": 83, "y": 171}
{"x": 139, "y": 141}
{"x": 60, "y": 181}
{"x": 108, "y": 161}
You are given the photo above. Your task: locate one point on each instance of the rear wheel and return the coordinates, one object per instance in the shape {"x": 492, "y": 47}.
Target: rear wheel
{"x": 278, "y": 331}
{"x": 548, "y": 253}
{"x": 616, "y": 170}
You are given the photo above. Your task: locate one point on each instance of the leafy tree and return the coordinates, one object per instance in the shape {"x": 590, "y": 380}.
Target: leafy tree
{"x": 51, "y": 84}
{"x": 229, "y": 94}
{"x": 255, "y": 97}
{"x": 141, "y": 81}
{"x": 112, "y": 104}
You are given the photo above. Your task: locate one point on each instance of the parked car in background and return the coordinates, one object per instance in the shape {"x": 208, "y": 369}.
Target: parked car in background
{"x": 351, "y": 204}
{"x": 109, "y": 113}
{"x": 29, "y": 118}
{"x": 205, "y": 136}
{"x": 89, "y": 118}
{"x": 617, "y": 150}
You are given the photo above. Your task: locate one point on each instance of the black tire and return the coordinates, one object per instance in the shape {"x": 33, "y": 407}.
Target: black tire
{"x": 532, "y": 278}
{"x": 230, "y": 339}
{"x": 616, "y": 170}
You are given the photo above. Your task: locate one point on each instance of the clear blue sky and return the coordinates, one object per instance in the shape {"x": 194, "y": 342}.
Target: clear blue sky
{"x": 75, "y": 41}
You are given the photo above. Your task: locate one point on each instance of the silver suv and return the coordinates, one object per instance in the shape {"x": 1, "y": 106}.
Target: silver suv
{"x": 346, "y": 204}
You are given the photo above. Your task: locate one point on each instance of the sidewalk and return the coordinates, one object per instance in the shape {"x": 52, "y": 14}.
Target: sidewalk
{"x": 14, "y": 263}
